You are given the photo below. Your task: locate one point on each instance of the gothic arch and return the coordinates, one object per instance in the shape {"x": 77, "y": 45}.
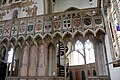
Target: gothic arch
{"x": 47, "y": 38}
{"x": 88, "y": 32}
{"x": 57, "y": 38}
{"x": 100, "y": 31}
{"x": 57, "y": 33}
{"x": 29, "y": 40}
{"x": 13, "y": 41}
{"x": 38, "y": 39}
{"x": 21, "y": 40}
{"x": 67, "y": 37}
{"x": 78, "y": 35}
{"x": 5, "y": 39}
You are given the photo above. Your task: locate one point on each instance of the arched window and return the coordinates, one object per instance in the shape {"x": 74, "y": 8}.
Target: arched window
{"x": 94, "y": 73}
{"x": 88, "y": 72}
{"x": 89, "y": 52}
{"x": 15, "y": 13}
{"x": 76, "y": 75}
{"x": 83, "y": 75}
{"x": 75, "y": 58}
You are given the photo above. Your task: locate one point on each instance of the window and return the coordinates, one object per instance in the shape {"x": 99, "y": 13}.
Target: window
{"x": 77, "y": 58}
{"x": 89, "y": 52}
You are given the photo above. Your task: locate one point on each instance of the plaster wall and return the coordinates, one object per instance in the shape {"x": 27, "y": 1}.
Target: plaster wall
{"x": 62, "y": 5}
{"x": 22, "y": 13}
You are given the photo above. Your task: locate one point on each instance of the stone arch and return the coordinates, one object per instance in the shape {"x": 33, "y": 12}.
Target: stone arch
{"x": 21, "y": 41}
{"x": 5, "y": 40}
{"x": 29, "y": 40}
{"x": 57, "y": 38}
{"x": 13, "y": 41}
{"x": 83, "y": 75}
{"x": 100, "y": 31}
{"x": 89, "y": 34}
{"x": 67, "y": 37}
{"x": 78, "y": 35}
{"x": 38, "y": 39}
{"x": 47, "y": 38}
{"x": 100, "y": 34}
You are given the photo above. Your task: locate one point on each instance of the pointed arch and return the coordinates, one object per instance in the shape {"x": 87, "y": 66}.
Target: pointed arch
{"x": 47, "y": 38}
{"x": 67, "y": 34}
{"x": 47, "y": 35}
{"x": 78, "y": 35}
{"x": 94, "y": 73}
{"x": 21, "y": 38}
{"x": 57, "y": 34}
{"x": 38, "y": 39}
{"x": 57, "y": 37}
{"x": 88, "y": 32}
{"x": 100, "y": 31}
{"x": 83, "y": 75}
{"x": 5, "y": 39}
{"x": 13, "y": 41}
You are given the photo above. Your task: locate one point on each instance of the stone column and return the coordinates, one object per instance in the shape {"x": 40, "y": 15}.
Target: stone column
{"x": 41, "y": 60}
{"x": 100, "y": 58}
{"x": 32, "y": 61}
{"x": 25, "y": 58}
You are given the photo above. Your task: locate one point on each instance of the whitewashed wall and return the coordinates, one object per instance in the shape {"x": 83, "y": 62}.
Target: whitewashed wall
{"x": 62, "y": 5}
{"x": 21, "y": 13}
